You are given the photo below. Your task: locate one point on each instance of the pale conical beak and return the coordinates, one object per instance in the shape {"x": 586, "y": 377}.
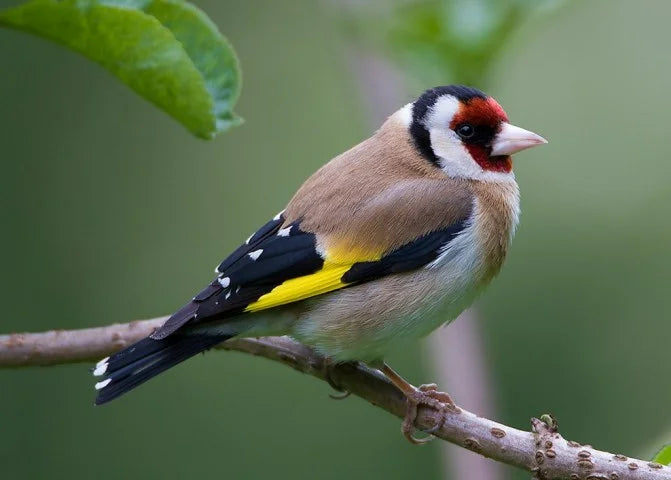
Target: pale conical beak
{"x": 512, "y": 139}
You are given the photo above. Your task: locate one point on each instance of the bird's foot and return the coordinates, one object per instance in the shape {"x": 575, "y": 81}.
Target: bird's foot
{"x": 328, "y": 369}
{"x": 430, "y": 396}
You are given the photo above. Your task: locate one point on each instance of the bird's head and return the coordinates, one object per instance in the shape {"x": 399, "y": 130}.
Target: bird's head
{"x": 466, "y": 133}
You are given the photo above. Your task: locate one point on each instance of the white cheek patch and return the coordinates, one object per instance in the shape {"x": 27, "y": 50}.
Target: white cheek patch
{"x": 454, "y": 158}
{"x": 442, "y": 113}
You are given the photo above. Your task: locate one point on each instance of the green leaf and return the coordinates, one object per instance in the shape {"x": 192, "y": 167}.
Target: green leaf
{"x": 664, "y": 455}
{"x": 168, "y": 51}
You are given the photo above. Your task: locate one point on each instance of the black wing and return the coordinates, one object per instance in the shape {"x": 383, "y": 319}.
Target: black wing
{"x": 268, "y": 258}
{"x": 410, "y": 256}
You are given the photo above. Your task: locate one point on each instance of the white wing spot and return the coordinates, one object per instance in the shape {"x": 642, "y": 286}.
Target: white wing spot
{"x": 224, "y": 282}
{"x": 248, "y": 239}
{"x": 104, "y": 360}
{"x": 228, "y": 295}
{"x": 237, "y": 289}
{"x": 277, "y": 217}
{"x": 255, "y": 254}
{"x": 103, "y": 384}
{"x": 284, "y": 232}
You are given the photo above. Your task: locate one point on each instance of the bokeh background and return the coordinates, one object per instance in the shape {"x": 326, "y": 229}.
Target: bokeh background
{"x": 111, "y": 212}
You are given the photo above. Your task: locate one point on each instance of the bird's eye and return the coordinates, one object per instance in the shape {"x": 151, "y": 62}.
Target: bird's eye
{"x": 465, "y": 130}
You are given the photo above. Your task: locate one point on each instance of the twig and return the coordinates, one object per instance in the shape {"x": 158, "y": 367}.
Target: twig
{"x": 452, "y": 351}
{"x": 544, "y": 452}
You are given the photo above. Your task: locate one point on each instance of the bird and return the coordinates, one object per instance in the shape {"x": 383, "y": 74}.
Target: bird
{"x": 380, "y": 246}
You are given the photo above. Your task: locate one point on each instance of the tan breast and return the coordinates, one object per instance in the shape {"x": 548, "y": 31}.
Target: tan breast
{"x": 497, "y": 217}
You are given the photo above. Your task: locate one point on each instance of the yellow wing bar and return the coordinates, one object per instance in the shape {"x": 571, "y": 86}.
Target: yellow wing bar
{"x": 325, "y": 280}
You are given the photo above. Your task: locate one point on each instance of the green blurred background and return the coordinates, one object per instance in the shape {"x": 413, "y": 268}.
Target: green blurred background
{"x": 113, "y": 212}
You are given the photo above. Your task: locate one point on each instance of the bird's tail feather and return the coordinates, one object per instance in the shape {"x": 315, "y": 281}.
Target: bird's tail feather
{"x": 145, "y": 359}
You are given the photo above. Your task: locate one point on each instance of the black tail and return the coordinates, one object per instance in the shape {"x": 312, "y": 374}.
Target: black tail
{"x": 147, "y": 358}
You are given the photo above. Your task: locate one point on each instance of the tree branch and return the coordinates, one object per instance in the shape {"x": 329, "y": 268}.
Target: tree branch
{"x": 543, "y": 451}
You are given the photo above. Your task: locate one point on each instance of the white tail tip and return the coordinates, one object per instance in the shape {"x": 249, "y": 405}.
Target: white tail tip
{"x": 100, "y": 370}
{"x": 103, "y": 384}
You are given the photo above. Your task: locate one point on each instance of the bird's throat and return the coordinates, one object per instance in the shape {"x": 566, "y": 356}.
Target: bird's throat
{"x": 480, "y": 154}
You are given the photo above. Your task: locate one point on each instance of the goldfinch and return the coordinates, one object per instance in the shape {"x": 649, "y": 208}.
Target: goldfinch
{"x": 379, "y": 247}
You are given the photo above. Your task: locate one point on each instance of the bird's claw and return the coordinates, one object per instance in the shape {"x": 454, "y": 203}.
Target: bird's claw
{"x": 342, "y": 393}
{"x": 430, "y": 396}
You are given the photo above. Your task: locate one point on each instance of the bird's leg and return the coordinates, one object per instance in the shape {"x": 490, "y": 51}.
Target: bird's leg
{"x": 424, "y": 395}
